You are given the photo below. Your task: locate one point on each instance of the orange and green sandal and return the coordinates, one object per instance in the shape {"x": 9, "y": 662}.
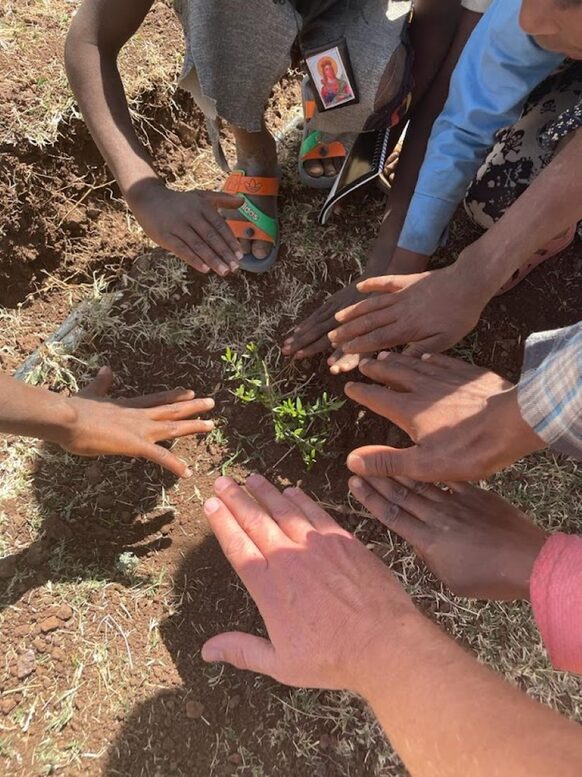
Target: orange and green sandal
{"x": 255, "y": 224}
{"x": 313, "y": 145}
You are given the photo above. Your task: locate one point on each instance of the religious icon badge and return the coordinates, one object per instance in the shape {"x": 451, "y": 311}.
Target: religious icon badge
{"x": 331, "y": 75}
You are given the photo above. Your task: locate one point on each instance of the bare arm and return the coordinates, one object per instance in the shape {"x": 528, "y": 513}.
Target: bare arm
{"x": 446, "y": 715}
{"x": 185, "y": 223}
{"x": 430, "y": 104}
{"x": 89, "y": 424}
{"x": 99, "y": 31}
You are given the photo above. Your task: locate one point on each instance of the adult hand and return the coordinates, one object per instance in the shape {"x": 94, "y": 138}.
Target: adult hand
{"x": 323, "y": 596}
{"x": 188, "y": 225}
{"x": 478, "y": 544}
{"x": 131, "y": 427}
{"x": 465, "y": 421}
{"x": 428, "y": 311}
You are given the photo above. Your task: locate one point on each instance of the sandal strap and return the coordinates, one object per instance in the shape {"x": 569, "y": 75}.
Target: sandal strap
{"x": 238, "y": 182}
{"x": 244, "y": 230}
{"x": 313, "y": 148}
{"x": 258, "y": 220}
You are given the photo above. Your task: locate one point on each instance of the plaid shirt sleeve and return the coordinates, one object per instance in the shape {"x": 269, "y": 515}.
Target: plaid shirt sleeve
{"x": 550, "y": 388}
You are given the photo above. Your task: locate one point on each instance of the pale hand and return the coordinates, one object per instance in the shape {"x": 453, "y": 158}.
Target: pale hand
{"x": 324, "y": 597}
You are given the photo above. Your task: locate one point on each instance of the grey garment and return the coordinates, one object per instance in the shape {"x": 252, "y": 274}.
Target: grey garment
{"x": 237, "y": 50}
{"x": 550, "y": 388}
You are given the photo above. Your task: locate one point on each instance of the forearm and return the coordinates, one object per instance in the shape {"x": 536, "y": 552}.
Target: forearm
{"x": 446, "y": 714}
{"x": 30, "y": 411}
{"x": 429, "y": 105}
{"x": 91, "y": 62}
{"x": 551, "y": 204}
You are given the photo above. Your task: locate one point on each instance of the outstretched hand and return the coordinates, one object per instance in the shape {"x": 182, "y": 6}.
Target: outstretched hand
{"x": 132, "y": 427}
{"x": 428, "y": 311}
{"x": 323, "y": 596}
{"x": 478, "y": 544}
{"x": 465, "y": 421}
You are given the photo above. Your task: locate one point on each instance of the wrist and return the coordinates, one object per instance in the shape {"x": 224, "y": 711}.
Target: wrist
{"x": 517, "y": 439}
{"x": 384, "y": 654}
{"x": 64, "y": 418}
{"x": 140, "y": 192}
{"x": 483, "y": 269}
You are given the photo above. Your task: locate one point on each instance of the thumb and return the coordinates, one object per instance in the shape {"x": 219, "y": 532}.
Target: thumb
{"x": 380, "y": 461}
{"x": 100, "y": 385}
{"x": 435, "y": 344}
{"x": 223, "y": 200}
{"x": 244, "y": 651}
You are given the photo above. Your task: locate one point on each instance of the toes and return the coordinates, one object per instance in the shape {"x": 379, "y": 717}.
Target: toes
{"x": 261, "y": 249}
{"x": 338, "y": 163}
{"x": 245, "y": 246}
{"x": 329, "y": 168}
{"x": 314, "y": 168}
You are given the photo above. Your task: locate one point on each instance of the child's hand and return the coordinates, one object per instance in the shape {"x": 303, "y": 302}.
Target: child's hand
{"x": 188, "y": 225}
{"x": 131, "y": 427}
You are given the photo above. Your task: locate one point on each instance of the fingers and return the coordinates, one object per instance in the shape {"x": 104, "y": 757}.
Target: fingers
{"x": 365, "y": 307}
{"x": 100, "y": 385}
{"x": 340, "y": 362}
{"x": 223, "y": 200}
{"x": 251, "y": 517}
{"x": 316, "y": 515}
{"x": 382, "y": 461}
{"x": 397, "y": 373}
{"x": 364, "y": 325}
{"x": 172, "y": 430}
{"x": 243, "y": 651}
{"x": 196, "y": 239}
{"x": 242, "y": 553}
{"x": 160, "y": 398}
{"x": 176, "y": 411}
{"x": 386, "y": 283}
{"x": 182, "y": 250}
{"x": 390, "y": 513}
{"x": 433, "y": 344}
{"x": 166, "y": 459}
{"x": 394, "y": 406}
{"x": 427, "y": 490}
{"x": 310, "y": 337}
{"x": 288, "y": 515}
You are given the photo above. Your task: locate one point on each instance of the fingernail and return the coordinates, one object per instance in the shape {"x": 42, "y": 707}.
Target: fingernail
{"x": 356, "y": 483}
{"x": 365, "y": 361}
{"x": 211, "y": 505}
{"x": 291, "y": 490}
{"x": 239, "y": 255}
{"x": 299, "y": 355}
{"x": 383, "y": 355}
{"x": 210, "y": 654}
{"x": 222, "y": 484}
{"x": 233, "y": 266}
{"x": 349, "y": 384}
{"x": 208, "y": 402}
{"x": 254, "y": 479}
{"x": 188, "y": 472}
{"x": 426, "y": 356}
{"x": 354, "y": 462}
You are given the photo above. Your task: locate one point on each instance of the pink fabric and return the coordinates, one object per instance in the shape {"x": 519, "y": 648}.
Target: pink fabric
{"x": 556, "y": 597}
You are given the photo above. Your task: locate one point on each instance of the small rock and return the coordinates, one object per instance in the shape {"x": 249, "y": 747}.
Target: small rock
{"x": 40, "y": 645}
{"x": 7, "y": 705}
{"x": 65, "y": 612}
{"x": 58, "y": 654}
{"x": 50, "y": 624}
{"x": 235, "y": 758}
{"x": 22, "y": 631}
{"x": 234, "y": 701}
{"x": 7, "y": 567}
{"x": 26, "y": 665}
{"x": 194, "y": 710}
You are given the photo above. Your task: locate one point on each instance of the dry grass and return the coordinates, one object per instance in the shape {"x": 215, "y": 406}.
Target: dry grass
{"x": 120, "y": 601}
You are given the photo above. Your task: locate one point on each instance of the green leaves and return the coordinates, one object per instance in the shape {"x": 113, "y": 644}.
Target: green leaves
{"x": 299, "y": 424}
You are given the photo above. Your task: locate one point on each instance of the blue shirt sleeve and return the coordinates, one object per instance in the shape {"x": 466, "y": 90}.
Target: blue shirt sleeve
{"x": 497, "y": 71}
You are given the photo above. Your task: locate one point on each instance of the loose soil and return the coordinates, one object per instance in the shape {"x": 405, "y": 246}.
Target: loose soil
{"x": 110, "y": 581}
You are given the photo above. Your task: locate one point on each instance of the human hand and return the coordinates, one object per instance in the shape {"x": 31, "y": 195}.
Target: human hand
{"x": 478, "y": 544}
{"x": 188, "y": 225}
{"x": 465, "y": 421}
{"x": 131, "y": 427}
{"x": 324, "y": 597}
{"x": 428, "y": 311}
{"x": 311, "y": 336}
